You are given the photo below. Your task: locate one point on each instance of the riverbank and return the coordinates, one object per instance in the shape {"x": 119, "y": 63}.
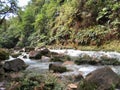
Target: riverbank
{"x": 110, "y": 46}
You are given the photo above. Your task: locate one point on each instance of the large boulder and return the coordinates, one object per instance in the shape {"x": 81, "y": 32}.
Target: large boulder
{"x": 57, "y": 67}
{"x": 100, "y": 79}
{"x": 14, "y": 65}
{"x": 4, "y": 54}
{"x": 45, "y": 51}
{"x": 35, "y": 55}
{"x": 72, "y": 77}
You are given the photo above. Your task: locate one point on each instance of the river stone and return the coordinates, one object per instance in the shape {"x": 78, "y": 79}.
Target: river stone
{"x": 28, "y": 49}
{"x": 57, "y": 67}
{"x": 45, "y": 51}
{"x": 35, "y": 55}
{"x": 100, "y": 79}
{"x": 14, "y": 65}
{"x": 72, "y": 77}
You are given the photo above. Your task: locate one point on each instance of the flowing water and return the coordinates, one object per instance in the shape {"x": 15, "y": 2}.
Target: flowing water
{"x": 42, "y": 66}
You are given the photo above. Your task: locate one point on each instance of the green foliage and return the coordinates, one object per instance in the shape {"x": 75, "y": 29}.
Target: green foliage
{"x": 81, "y": 22}
{"x": 84, "y": 85}
{"x": 49, "y": 80}
{"x": 105, "y": 60}
{"x": 7, "y": 7}
{"x": 10, "y": 37}
{"x": 28, "y": 84}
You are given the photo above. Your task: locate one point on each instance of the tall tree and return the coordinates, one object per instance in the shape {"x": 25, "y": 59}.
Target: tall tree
{"x": 7, "y": 7}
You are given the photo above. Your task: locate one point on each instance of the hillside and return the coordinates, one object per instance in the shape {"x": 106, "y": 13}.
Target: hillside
{"x": 63, "y": 22}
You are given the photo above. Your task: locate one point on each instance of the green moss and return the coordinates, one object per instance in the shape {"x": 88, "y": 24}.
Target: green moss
{"x": 60, "y": 58}
{"x": 4, "y": 54}
{"x": 86, "y": 59}
{"x": 109, "y": 61}
{"x": 57, "y": 68}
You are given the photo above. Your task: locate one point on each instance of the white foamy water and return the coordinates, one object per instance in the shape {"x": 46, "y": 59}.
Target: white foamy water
{"x": 39, "y": 66}
{"x": 72, "y": 52}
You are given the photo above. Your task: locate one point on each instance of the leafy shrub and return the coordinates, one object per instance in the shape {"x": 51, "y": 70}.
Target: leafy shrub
{"x": 49, "y": 80}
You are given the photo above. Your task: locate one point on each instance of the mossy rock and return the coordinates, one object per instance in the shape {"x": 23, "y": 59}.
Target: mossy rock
{"x": 57, "y": 68}
{"x": 109, "y": 61}
{"x": 100, "y": 79}
{"x": 60, "y": 58}
{"x": 84, "y": 85}
{"x": 86, "y": 59}
{"x": 56, "y": 59}
{"x": 15, "y": 55}
{"x": 35, "y": 55}
{"x": 3, "y": 54}
{"x": 28, "y": 49}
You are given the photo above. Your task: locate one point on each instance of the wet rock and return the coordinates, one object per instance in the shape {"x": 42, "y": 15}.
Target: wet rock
{"x": 100, "y": 79}
{"x": 54, "y": 53}
{"x": 15, "y": 55}
{"x": 45, "y": 51}
{"x": 35, "y": 55}
{"x": 86, "y": 59}
{"x": 105, "y": 60}
{"x": 4, "y": 54}
{"x": 56, "y": 58}
{"x": 28, "y": 49}
{"x": 38, "y": 53}
{"x": 57, "y": 67}
{"x": 14, "y": 65}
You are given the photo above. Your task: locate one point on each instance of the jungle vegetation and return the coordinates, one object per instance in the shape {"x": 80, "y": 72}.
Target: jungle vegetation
{"x": 61, "y": 22}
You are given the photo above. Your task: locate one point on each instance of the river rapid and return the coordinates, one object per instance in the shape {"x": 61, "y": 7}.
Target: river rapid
{"x": 42, "y": 66}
